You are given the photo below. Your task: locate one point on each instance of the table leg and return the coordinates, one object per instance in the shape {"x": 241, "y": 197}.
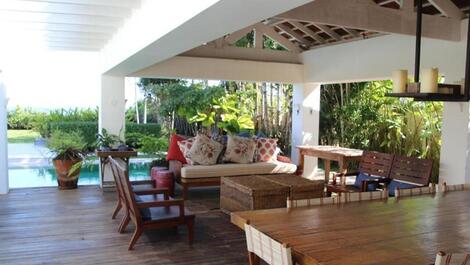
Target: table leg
{"x": 301, "y": 163}
{"x": 327, "y": 163}
{"x": 343, "y": 169}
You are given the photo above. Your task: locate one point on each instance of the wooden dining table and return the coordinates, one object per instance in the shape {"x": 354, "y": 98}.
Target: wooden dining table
{"x": 328, "y": 153}
{"x": 406, "y": 231}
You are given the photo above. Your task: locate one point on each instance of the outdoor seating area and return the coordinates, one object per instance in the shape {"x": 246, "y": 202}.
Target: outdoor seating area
{"x": 301, "y": 132}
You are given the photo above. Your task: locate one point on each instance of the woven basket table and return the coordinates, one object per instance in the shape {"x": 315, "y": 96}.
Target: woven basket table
{"x": 299, "y": 188}
{"x": 251, "y": 193}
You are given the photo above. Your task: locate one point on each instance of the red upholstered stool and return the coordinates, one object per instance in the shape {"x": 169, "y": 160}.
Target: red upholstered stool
{"x": 165, "y": 179}
{"x": 154, "y": 170}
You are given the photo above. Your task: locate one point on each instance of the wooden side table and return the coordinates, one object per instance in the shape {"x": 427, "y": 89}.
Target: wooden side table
{"x": 340, "y": 154}
{"x": 107, "y": 181}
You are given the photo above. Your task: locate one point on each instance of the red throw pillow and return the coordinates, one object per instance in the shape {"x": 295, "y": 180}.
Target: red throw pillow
{"x": 174, "y": 152}
{"x": 265, "y": 150}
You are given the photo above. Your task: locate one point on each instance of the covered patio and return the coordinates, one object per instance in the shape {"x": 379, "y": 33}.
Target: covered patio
{"x": 323, "y": 42}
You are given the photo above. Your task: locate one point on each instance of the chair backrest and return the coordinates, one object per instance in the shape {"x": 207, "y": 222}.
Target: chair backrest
{"x": 452, "y": 259}
{"x": 414, "y": 191}
{"x": 375, "y": 163}
{"x": 312, "y": 202}
{"x": 268, "y": 249}
{"x": 119, "y": 191}
{"x": 456, "y": 187}
{"x": 346, "y": 197}
{"x": 126, "y": 188}
{"x": 411, "y": 170}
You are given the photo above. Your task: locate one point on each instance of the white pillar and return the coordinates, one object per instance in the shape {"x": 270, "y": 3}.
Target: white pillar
{"x": 112, "y": 114}
{"x": 3, "y": 141}
{"x": 455, "y": 157}
{"x": 305, "y": 122}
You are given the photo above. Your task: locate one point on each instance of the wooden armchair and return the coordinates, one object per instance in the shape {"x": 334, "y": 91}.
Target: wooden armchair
{"x": 150, "y": 214}
{"x": 409, "y": 173}
{"x": 374, "y": 167}
{"x": 261, "y": 246}
{"x": 443, "y": 258}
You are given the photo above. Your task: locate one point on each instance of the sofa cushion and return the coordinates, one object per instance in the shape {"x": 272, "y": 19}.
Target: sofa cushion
{"x": 240, "y": 150}
{"x": 394, "y": 184}
{"x": 265, "y": 149}
{"x": 174, "y": 152}
{"x": 205, "y": 151}
{"x": 185, "y": 146}
{"x": 224, "y": 170}
{"x": 364, "y": 177}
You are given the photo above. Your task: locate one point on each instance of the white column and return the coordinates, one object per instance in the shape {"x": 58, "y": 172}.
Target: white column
{"x": 306, "y": 122}
{"x": 3, "y": 141}
{"x": 455, "y": 159}
{"x": 112, "y": 113}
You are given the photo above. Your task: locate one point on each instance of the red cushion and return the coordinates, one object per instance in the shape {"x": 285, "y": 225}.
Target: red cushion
{"x": 174, "y": 152}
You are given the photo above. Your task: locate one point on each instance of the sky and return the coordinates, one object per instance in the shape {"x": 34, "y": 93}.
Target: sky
{"x": 43, "y": 80}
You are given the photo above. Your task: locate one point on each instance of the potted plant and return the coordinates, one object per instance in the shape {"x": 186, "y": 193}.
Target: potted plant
{"x": 69, "y": 153}
{"x": 109, "y": 142}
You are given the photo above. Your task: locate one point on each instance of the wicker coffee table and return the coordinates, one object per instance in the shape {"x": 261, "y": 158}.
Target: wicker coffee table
{"x": 256, "y": 192}
{"x": 251, "y": 193}
{"x": 299, "y": 188}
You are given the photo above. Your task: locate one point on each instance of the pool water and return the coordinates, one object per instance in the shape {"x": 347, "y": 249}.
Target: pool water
{"x": 45, "y": 176}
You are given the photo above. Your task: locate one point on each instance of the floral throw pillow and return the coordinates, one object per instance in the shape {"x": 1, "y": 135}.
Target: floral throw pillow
{"x": 240, "y": 150}
{"x": 265, "y": 150}
{"x": 185, "y": 146}
{"x": 205, "y": 151}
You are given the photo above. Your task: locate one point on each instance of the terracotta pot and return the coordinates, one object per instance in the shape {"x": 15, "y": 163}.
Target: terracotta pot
{"x": 62, "y": 168}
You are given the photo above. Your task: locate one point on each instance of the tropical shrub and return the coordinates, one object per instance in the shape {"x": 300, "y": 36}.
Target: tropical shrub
{"x": 20, "y": 119}
{"x": 67, "y": 145}
{"x": 360, "y": 116}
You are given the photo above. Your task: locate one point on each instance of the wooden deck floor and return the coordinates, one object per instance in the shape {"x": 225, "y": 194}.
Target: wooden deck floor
{"x": 48, "y": 226}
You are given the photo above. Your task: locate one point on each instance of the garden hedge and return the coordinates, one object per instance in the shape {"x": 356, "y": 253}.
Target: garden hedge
{"x": 89, "y": 129}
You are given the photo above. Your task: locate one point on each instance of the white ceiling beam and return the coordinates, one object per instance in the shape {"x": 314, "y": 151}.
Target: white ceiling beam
{"x": 111, "y": 3}
{"x": 447, "y": 8}
{"x": 59, "y": 18}
{"x": 237, "y": 53}
{"x": 74, "y": 35}
{"x": 270, "y": 32}
{"x": 58, "y": 8}
{"x": 44, "y": 26}
{"x": 366, "y": 15}
{"x": 328, "y": 31}
{"x": 293, "y": 34}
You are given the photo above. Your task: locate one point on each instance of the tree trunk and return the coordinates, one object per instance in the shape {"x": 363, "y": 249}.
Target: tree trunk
{"x": 265, "y": 108}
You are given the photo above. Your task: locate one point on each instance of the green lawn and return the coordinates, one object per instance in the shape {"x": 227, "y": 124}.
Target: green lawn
{"x": 22, "y": 136}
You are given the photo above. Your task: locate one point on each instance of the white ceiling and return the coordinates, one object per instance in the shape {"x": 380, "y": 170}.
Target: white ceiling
{"x": 64, "y": 24}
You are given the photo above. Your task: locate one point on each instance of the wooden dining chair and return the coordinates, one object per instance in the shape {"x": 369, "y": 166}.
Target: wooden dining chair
{"x": 312, "y": 202}
{"x": 414, "y": 191}
{"x": 260, "y": 245}
{"x": 151, "y": 214}
{"x": 373, "y": 167}
{"x": 452, "y": 259}
{"x": 456, "y": 187}
{"x": 409, "y": 173}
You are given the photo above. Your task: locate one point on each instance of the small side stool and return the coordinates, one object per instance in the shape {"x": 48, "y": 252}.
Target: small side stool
{"x": 154, "y": 170}
{"x": 165, "y": 179}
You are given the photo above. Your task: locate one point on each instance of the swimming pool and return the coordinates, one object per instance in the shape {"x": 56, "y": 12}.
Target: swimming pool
{"x": 44, "y": 176}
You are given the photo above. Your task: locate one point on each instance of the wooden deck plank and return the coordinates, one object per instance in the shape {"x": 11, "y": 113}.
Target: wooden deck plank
{"x": 48, "y": 226}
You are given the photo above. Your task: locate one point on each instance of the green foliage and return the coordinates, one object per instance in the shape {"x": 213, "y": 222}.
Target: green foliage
{"x": 20, "y": 119}
{"x": 106, "y": 140}
{"x": 152, "y": 145}
{"x": 67, "y": 145}
{"x": 362, "y": 117}
{"x": 88, "y": 130}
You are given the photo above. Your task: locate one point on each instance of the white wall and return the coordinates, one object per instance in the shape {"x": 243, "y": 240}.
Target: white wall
{"x": 3, "y": 140}
{"x": 305, "y": 122}
{"x": 376, "y": 58}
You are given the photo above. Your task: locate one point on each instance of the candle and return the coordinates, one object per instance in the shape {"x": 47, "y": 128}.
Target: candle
{"x": 429, "y": 79}
{"x": 399, "y": 78}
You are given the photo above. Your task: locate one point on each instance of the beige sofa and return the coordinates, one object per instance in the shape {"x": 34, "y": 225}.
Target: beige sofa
{"x": 200, "y": 176}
